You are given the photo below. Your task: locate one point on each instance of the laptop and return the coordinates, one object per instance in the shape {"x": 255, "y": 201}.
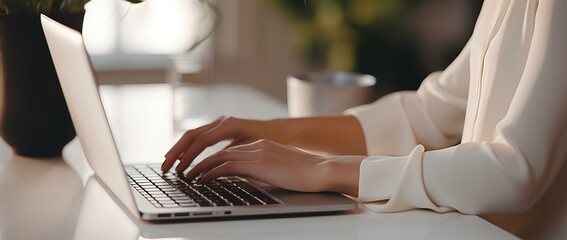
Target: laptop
{"x": 143, "y": 190}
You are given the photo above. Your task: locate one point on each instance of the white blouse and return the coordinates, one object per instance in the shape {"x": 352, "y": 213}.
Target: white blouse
{"x": 486, "y": 136}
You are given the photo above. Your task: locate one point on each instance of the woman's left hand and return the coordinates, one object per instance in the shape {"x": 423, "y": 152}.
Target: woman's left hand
{"x": 282, "y": 166}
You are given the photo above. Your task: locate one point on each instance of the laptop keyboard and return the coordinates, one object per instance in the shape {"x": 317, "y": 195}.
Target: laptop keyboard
{"x": 168, "y": 190}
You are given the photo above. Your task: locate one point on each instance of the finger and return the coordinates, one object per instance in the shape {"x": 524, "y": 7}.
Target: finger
{"x": 178, "y": 149}
{"x": 219, "y": 159}
{"x": 236, "y": 143}
{"x": 223, "y": 131}
{"x": 180, "y": 146}
{"x": 232, "y": 168}
{"x": 259, "y": 144}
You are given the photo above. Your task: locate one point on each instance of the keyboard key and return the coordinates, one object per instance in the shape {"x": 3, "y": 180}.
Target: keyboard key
{"x": 166, "y": 202}
{"x": 188, "y": 205}
{"x": 150, "y": 191}
{"x": 177, "y": 183}
{"x": 247, "y": 187}
{"x": 252, "y": 201}
{"x": 188, "y": 200}
{"x": 183, "y": 188}
{"x": 152, "y": 187}
{"x": 173, "y": 195}
{"x": 171, "y": 191}
{"x": 220, "y": 202}
{"x": 159, "y": 195}
{"x": 172, "y": 205}
{"x": 163, "y": 199}
{"x": 203, "y": 203}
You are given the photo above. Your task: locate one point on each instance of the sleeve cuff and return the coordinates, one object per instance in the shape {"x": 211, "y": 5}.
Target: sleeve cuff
{"x": 399, "y": 180}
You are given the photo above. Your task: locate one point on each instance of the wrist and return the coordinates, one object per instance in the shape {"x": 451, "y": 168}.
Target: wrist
{"x": 284, "y": 130}
{"x": 340, "y": 174}
{"x": 331, "y": 135}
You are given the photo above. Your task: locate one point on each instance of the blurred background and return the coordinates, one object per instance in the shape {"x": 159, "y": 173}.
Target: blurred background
{"x": 260, "y": 42}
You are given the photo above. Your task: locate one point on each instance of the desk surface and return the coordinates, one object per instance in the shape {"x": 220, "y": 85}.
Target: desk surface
{"x": 57, "y": 199}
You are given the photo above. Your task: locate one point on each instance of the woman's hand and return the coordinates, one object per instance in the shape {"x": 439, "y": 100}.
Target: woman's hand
{"x": 239, "y": 131}
{"x": 282, "y": 166}
{"x": 334, "y": 135}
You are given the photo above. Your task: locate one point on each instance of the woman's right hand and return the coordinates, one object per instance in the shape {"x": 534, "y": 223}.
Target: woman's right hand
{"x": 238, "y": 131}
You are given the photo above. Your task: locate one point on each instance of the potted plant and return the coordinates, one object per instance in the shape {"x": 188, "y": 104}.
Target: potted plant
{"x": 34, "y": 120}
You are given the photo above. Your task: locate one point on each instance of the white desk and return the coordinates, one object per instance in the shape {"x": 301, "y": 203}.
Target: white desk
{"x": 56, "y": 199}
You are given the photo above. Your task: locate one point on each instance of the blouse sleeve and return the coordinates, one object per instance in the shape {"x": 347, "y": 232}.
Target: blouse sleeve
{"x": 506, "y": 175}
{"x": 393, "y": 126}
{"x": 433, "y": 115}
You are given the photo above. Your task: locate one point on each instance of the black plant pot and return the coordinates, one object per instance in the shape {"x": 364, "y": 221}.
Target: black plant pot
{"x": 35, "y": 119}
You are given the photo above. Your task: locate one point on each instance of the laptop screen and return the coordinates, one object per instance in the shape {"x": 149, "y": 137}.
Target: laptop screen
{"x": 80, "y": 89}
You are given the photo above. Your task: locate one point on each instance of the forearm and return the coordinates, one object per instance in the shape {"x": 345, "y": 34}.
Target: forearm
{"x": 335, "y": 135}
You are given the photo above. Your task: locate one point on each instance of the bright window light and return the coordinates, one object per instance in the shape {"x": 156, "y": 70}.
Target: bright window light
{"x": 161, "y": 26}
{"x": 117, "y": 28}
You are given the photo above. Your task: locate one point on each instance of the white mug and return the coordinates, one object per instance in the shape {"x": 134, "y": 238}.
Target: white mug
{"x": 327, "y": 93}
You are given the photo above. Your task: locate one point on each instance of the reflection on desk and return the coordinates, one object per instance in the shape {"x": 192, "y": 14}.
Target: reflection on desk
{"x": 39, "y": 198}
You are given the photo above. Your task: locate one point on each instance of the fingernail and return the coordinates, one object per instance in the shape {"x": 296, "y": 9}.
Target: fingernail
{"x": 162, "y": 169}
{"x": 199, "y": 178}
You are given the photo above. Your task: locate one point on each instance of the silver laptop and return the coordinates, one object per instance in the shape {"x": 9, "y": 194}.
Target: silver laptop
{"x": 144, "y": 190}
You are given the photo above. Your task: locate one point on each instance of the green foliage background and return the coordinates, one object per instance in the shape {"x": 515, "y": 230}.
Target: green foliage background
{"x": 367, "y": 36}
